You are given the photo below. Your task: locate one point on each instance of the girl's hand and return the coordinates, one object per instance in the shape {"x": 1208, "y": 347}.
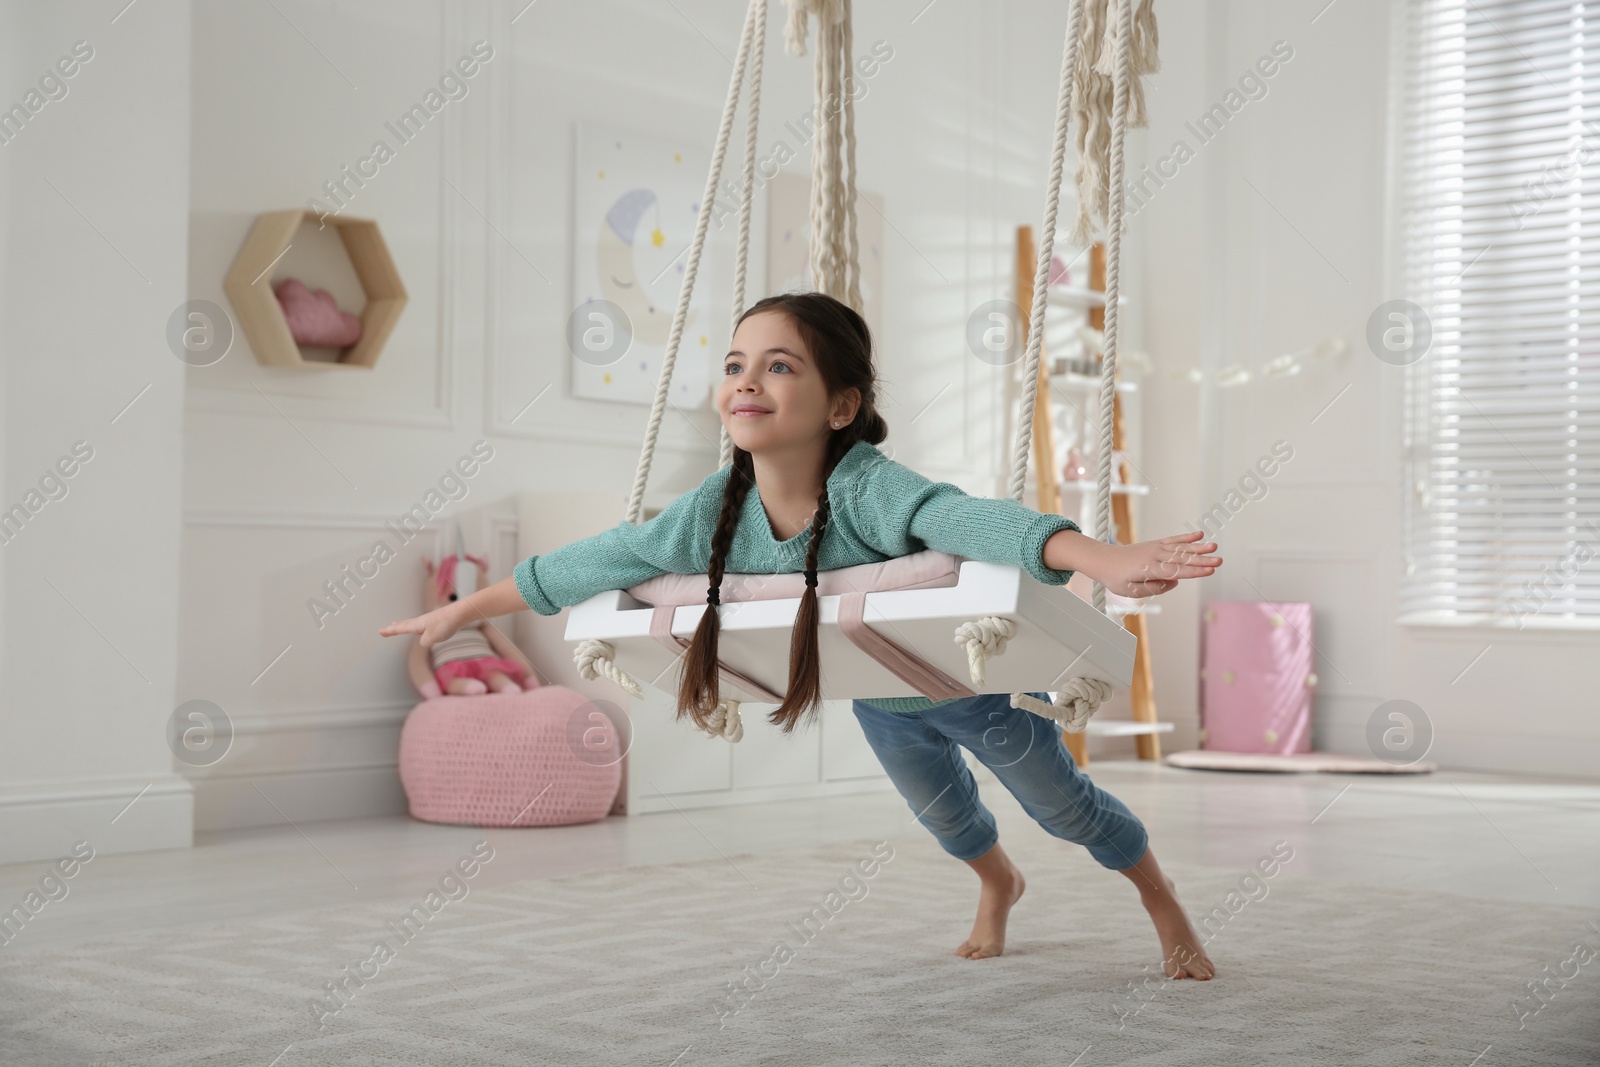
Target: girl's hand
{"x": 1148, "y": 568}
{"x": 433, "y": 627}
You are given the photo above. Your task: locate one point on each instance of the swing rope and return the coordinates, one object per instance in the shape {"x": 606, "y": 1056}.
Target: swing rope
{"x": 1089, "y": 55}
{"x": 1082, "y": 697}
{"x": 835, "y": 254}
{"x": 592, "y": 657}
{"x": 747, "y": 196}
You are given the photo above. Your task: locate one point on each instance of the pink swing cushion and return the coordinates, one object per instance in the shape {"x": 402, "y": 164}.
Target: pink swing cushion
{"x": 928, "y": 569}
{"x": 545, "y": 757}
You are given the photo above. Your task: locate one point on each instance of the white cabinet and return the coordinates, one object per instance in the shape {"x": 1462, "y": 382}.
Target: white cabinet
{"x": 671, "y": 765}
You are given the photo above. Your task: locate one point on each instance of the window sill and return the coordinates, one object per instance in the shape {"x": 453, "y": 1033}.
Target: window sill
{"x": 1479, "y": 621}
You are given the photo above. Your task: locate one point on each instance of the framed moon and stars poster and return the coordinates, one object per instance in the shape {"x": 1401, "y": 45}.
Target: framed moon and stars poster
{"x": 636, "y": 202}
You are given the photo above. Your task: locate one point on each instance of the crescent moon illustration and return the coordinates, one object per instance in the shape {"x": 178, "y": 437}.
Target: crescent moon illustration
{"x": 619, "y": 278}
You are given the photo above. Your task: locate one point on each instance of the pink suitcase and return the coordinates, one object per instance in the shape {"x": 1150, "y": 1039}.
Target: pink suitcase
{"x": 1256, "y": 681}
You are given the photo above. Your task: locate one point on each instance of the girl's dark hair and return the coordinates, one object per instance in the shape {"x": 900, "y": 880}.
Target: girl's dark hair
{"x": 841, "y": 348}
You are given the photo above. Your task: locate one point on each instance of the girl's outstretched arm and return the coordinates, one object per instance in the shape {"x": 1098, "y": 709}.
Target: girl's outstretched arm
{"x": 618, "y": 558}
{"x": 501, "y": 598}
{"x": 1145, "y": 568}
{"x": 899, "y": 511}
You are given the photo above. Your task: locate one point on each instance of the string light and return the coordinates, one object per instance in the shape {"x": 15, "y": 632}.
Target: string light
{"x": 1232, "y": 376}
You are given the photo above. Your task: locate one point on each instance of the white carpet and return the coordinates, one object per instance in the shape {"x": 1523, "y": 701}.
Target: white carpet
{"x": 632, "y": 967}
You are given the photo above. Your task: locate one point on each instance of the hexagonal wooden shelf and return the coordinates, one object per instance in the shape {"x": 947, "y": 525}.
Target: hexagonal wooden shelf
{"x": 261, "y": 318}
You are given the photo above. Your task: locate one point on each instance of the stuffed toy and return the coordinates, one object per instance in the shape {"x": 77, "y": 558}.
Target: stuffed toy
{"x": 475, "y": 659}
{"x": 314, "y": 318}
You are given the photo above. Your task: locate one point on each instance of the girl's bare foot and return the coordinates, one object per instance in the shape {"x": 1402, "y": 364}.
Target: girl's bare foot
{"x": 1182, "y": 954}
{"x": 1002, "y": 888}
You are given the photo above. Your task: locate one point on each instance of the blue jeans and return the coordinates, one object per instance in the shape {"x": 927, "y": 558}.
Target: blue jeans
{"x": 1024, "y": 750}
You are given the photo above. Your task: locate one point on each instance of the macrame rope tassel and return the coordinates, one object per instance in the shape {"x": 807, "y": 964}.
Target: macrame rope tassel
{"x": 1101, "y": 49}
{"x": 835, "y": 251}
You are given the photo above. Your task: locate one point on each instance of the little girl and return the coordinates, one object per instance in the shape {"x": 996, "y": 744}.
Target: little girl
{"x": 807, "y": 491}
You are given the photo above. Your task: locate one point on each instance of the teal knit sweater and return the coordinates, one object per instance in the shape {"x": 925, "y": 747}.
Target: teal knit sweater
{"x": 880, "y": 510}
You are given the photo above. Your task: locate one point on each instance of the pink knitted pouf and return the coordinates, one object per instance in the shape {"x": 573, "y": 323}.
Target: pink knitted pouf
{"x": 545, "y": 757}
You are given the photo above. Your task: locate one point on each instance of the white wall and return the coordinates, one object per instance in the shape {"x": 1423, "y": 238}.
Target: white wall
{"x": 291, "y": 474}
{"x": 164, "y": 596}
{"x": 94, "y": 216}
{"x": 1271, "y": 239}
{"x": 1268, "y": 240}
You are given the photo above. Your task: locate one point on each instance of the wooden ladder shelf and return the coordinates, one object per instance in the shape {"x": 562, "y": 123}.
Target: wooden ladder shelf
{"x": 1144, "y": 727}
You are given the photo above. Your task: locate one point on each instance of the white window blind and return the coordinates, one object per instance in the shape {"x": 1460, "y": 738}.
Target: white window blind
{"x": 1499, "y": 231}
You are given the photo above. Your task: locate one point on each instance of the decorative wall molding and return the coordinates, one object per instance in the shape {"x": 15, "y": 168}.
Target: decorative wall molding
{"x": 308, "y": 520}
{"x": 277, "y": 772}
{"x": 149, "y": 814}
{"x": 1318, "y": 555}
{"x": 580, "y": 421}
{"x": 349, "y": 769}
{"x": 120, "y": 789}
{"x": 302, "y": 795}
{"x": 202, "y": 399}
{"x": 1370, "y": 571}
{"x": 380, "y": 714}
{"x": 241, "y": 402}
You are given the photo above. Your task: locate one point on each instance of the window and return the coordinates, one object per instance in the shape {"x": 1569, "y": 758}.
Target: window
{"x": 1498, "y": 170}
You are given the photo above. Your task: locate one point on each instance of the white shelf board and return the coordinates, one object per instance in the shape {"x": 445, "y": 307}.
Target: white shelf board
{"x": 1133, "y": 609}
{"x": 1079, "y": 297}
{"x": 1089, "y": 380}
{"x": 1117, "y": 490}
{"x": 1112, "y": 728}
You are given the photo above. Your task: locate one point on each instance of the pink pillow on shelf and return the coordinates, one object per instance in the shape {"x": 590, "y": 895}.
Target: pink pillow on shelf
{"x": 928, "y": 569}
{"x": 314, "y": 318}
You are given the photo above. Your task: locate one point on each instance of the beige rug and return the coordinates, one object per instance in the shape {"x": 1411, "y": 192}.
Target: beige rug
{"x": 1296, "y": 763}
{"x": 635, "y": 966}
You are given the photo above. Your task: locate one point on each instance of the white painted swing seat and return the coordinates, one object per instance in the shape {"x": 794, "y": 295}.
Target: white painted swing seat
{"x": 1058, "y": 636}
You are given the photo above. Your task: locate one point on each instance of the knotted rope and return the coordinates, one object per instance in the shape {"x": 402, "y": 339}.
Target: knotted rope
{"x": 984, "y": 638}
{"x": 1111, "y": 39}
{"x": 1087, "y": 55}
{"x": 658, "y": 406}
{"x": 596, "y": 658}
{"x": 1072, "y": 706}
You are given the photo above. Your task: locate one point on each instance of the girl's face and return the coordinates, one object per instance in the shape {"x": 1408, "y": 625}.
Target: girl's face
{"x": 772, "y": 395}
